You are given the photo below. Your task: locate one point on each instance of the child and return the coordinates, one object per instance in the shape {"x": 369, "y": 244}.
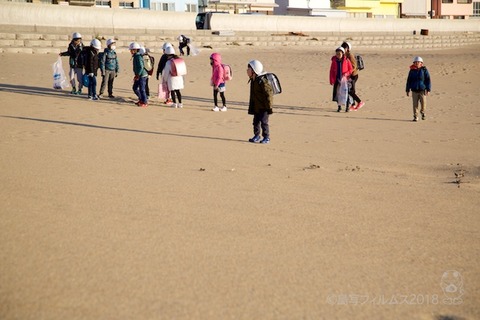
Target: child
{"x": 418, "y": 82}
{"x": 109, "y": 67}
{"x": 261, "y": 101}
{"x": 161, "y": 66}
{"x": 174, "y": 83}
{"x": 148, "y": 66}
{"x": 218, "y": 81}
{"x": 91, "y": 67}
{"x": 339, "y": 68}
{"x": 140, "y": 75}
{"x": 183, "y": 42}
{"x": 74, "y": 50}
{"x": 353, "y": 77}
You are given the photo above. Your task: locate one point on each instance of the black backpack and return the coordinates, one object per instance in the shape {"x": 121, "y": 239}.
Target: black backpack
{"x": 360, "y": 64}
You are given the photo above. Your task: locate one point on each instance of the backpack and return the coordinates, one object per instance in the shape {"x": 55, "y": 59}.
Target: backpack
{"x": 360, "y": 64}
{"x": 178, "y": 67}
{"x": 227, "y": 72}
{"x": 274, "y": 82}
{"x": 147, "y": 63}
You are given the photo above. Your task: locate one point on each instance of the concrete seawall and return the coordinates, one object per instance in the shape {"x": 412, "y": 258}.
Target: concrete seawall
{"x": 40, "y": 28}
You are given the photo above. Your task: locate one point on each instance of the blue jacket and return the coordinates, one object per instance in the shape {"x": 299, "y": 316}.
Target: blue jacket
{"x": 109, "y": 61}
{"x": 418, "y": 79}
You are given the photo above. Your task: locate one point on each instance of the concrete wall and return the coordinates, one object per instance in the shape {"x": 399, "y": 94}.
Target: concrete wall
{"x": 45, "y": 15}
{"x": 116, "y": 20}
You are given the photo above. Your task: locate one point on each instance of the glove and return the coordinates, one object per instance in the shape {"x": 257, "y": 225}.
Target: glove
{"x": 90, "y": 74}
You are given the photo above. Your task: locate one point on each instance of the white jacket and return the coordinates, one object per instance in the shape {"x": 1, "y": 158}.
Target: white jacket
{"x": 173, "y": 83}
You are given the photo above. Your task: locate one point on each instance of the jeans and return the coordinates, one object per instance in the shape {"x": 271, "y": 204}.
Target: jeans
{"x": 139, "y": 89}
{"x": 260, "y": 121}
{"x": 92, "y": 86}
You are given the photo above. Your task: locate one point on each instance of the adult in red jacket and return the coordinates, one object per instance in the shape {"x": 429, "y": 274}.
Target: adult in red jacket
{"x": 339, "y": 68}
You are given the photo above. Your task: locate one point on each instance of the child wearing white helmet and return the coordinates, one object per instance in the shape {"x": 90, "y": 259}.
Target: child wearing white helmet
{"x": 163, "y": 92}
{"x": 260, "y": 103}
{"x": 74, "y": 51}
{"x": 353, "y": 78}
{"x": 340, "y": 68}
{"x": 183, "y": 41}
{"x": 91, "y": 67}
{"x": 418, "y": 81}
{"x": 140, "y": 75}
{"x": 109, "y": 67}
{"x": 172, "y": 79}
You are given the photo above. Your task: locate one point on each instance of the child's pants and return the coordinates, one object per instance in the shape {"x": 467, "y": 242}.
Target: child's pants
{"x": 260, "y": 121}
{"x": 79, "y": 73}
{"x": 92, "y": 86}
{"x": 139, "y": 89}
{"x": 419, "y": 97}
{"x": 108, "y": 79}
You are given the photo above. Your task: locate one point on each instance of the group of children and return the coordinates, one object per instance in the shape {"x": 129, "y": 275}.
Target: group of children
{"x": 343, "y": 77}
{"x": 90, "y": 59}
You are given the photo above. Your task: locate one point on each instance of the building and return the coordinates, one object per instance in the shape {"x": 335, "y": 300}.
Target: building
{"x": 369, "y": 8}
{"x": 442, "y": 9}
{"x": 307, "y": 8}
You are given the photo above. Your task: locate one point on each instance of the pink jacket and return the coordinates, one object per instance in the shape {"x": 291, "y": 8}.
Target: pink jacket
{"x": 218, "y": 74}
{"x": 347, "y": 69}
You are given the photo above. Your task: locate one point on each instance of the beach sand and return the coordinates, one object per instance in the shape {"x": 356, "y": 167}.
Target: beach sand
{"x": 109, "y": 211}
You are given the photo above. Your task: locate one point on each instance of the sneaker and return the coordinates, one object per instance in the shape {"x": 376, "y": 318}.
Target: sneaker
{"x": 78, "y": 92}
{"x": 216, "y": 109}
{"x": 142, "y": 105}
{"x": 89, "y": 97}
{"x": 254, "y": 139}
{"x": 360, "y": 105}
{"x": 339, "y": 109}
{"x": 174, "y": 105}
{"x": 96, "y": 98}
{"x": 138, "y": 102}
{"x": 74, "y": 90}
{"x": 110, "y": 96}
{"x": 180, "y": 105}
{"x": 100, "y": 96}
{"x": 168, "y": 101}
{"x": 415, "y": 119}
{"x": 347, "y": 109}
{"x": 265, "y": 140}
{"x": 424, "y": 117}
{"x": 223, "y": 109}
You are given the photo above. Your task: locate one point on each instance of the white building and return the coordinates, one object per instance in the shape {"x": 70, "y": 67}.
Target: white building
{"x": 320, "y": 8}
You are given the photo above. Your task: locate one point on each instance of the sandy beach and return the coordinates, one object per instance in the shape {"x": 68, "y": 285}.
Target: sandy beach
{"x": 110, "y": 211}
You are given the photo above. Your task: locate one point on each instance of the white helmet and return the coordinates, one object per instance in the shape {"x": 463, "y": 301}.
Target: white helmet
{"x": 418, "y": 59}
{"x": 166, "y": 44}
{"x": 256, "y": 66}
{"x": 180, "y": 38}
{"x": 76, "y": 35}
{"x": 96, "y": 44}
{"x": 110, "y": 41}
{"x": 141, "y": 51}
{"x": 170, "y": 50}
{"x": 348, "y": 45}
{"x": 340, "y": 49}
{"x": 133, "y": 46}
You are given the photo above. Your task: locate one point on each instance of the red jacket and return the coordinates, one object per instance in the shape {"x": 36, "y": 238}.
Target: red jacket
{"x": 347, "y": 69}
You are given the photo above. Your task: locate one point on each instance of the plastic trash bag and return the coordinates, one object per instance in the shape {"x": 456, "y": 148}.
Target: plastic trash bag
{"x": 193, "y": 49}
{"x": 342, "y": 91}
{"x": 59, "y": 79}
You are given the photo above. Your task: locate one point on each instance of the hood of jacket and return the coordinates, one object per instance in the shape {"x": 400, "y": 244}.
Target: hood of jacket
{"x": 216, "y": 58}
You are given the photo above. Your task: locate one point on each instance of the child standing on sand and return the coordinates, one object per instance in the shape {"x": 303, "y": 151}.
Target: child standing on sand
{"x": 261, "y": 101}
{"x": 74, "y": 51}
{"x": 91, "y": 67}
{"x": 172, "y": 78}
{"x": 218, "y": 81}
{"x": 418, "y": 81}
{"x": 140, "y": 75}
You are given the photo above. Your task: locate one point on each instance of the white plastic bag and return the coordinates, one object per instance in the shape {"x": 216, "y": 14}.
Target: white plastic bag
{"x": 59, "y": 79}
{"x": 194, "y": 51}
{"x": 342, "y": 91}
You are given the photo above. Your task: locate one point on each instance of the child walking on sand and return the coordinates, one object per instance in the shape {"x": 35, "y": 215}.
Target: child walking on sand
{"x": 163, "y": 92}
{"x": 261, "y": 102}
{"x": 218, "y": 81}
{"x": 353, "y": 78}
{"x": 340, "y": 68}
{"x": 74, "y": 51}
{"x": 174, "y": 80}
{"x": 418, "y": 81}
